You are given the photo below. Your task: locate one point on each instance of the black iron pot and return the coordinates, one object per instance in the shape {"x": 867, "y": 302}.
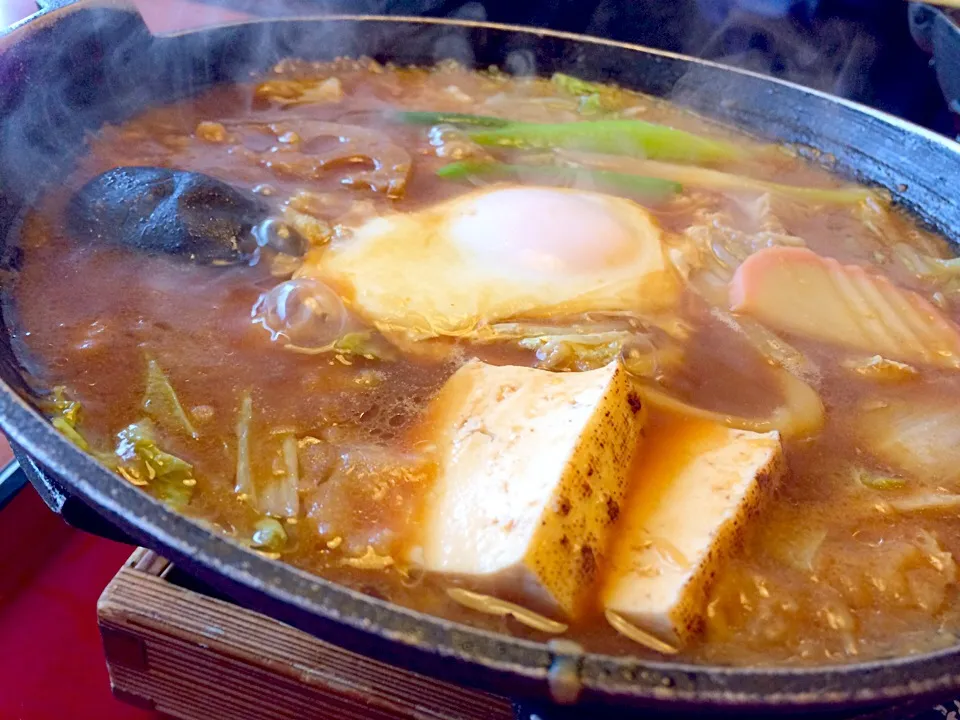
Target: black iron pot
{"x": 66, "y": 72}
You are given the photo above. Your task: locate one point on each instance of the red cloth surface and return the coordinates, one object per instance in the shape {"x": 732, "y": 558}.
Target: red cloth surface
{"x": 50, "y": 578}
{"x": 52, "y": 665}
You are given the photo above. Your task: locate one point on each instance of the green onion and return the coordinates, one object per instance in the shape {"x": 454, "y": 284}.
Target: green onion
{"x": 552, "y": 175}
{"x": 715, "y": 180}
{"x": 449, "y": 118}
{"x": 619, "y": 137}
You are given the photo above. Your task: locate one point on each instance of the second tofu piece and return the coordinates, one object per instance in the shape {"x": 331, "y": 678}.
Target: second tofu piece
{"x": 533, "y": 466}
{"x": 695, "y": 487}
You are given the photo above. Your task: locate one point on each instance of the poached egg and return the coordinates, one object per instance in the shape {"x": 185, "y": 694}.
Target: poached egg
{"x": 499, "y": 253}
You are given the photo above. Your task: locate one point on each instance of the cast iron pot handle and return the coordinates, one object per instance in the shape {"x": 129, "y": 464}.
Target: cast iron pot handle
{"x": 74, "y": 511}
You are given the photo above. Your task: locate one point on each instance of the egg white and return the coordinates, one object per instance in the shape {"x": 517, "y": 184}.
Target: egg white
{"x": 500, "y": 253}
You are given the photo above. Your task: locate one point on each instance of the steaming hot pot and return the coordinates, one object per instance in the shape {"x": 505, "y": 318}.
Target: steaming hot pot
{"x": 66, "y": 72}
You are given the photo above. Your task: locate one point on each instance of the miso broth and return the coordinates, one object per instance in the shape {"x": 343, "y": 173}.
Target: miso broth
{"x": 317, "y": 450}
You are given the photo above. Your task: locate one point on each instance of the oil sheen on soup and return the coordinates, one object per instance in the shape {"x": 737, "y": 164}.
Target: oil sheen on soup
{"x": 534, "y": 354}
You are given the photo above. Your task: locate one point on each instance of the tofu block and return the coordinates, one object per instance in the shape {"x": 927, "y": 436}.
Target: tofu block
{"x": 694, "y": 488}
{"x": 532, "y": 468}
{"x": 800, "y": 292}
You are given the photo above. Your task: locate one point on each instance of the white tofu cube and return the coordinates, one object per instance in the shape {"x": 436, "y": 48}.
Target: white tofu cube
{"x": 694, "y": 488}
{"x": 533, "y": 466}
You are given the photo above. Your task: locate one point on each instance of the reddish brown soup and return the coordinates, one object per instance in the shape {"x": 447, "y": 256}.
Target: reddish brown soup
{"x": 853, "y": 556}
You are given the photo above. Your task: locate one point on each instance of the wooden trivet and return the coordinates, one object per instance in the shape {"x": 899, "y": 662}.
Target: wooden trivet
{"x": 185, "y": 654}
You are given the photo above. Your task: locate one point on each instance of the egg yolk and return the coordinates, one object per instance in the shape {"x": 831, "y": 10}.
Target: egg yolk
{"x": 544, "y": 231}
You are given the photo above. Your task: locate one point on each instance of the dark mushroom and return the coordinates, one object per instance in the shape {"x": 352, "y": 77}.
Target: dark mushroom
{"x": 158, "y": 210}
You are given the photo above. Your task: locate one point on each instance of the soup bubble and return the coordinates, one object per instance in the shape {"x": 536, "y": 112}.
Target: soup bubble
{"x": 302, "y": 312}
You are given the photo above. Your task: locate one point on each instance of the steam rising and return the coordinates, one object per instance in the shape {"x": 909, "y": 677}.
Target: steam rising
{"x": 783, "y": 38}
{"x": 99, "y": 65}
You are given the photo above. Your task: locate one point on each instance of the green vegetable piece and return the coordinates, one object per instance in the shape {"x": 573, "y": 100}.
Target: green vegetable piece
{"x": 716, "y": 180}
{"x": 67, "y": 429}
{"x": 142, "y": 462}
{"x": 636, "y": 138}
{"x": 691, "y": 176}
{"x": 564, "y": 176}
{"x": 576, "y": 352}
{"x": 595, "y": 98}
{"x": 576, "y": 86}
{"x": 279, "y": 496}
{"x": 878, "y": 481}
{"x": 450, "y": 118}
{"x": 137, "y": 456}
{"x": 161, "y": 404}
{"x": 364, "y": 344}
{"x": 69, "y": 410}
{"x": 463, "y": 169}
{"x": 268, "y": 534}
{"x": 139, "y": 441}
{"x": 591, "y": 105}
{"x": 245, "y": 486}
{"x": 65, "y": 417}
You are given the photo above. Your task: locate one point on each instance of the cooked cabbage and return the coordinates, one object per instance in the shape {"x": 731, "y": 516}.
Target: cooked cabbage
{"x": 141, "y": 461}
{"x": 161, "y": 404}
{"x": 919, "y": 435}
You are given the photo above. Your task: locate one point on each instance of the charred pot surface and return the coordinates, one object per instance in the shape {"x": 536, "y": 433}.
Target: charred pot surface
{"x": 157, "y": 210}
